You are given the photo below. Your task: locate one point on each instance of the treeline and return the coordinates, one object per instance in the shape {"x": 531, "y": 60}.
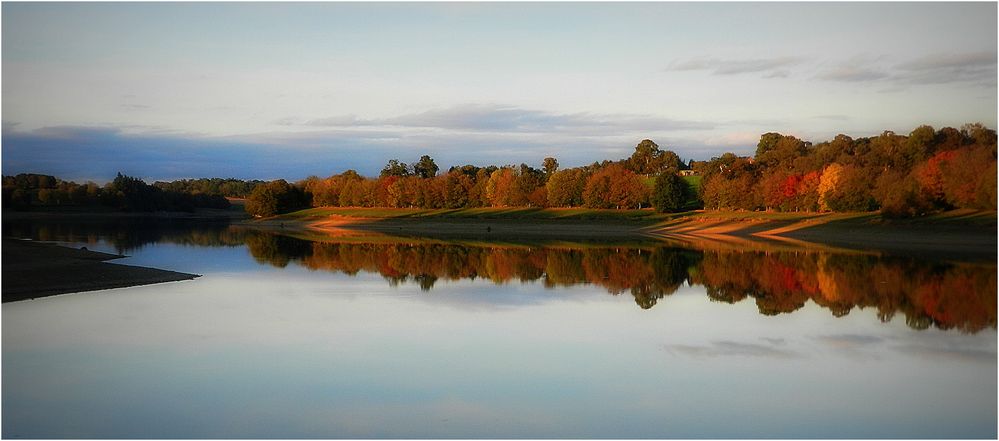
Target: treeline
{"x": 928, "y": 170}
{"x": 647, "y": 178}
{"x": 229, "y": 187}
{"x": 124, "y": 193}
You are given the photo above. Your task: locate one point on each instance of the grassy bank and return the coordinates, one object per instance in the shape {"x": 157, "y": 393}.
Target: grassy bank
{"x": 953, "y": 233}
{"x": 647, "y": 216}
{"x": 956, "y": 218}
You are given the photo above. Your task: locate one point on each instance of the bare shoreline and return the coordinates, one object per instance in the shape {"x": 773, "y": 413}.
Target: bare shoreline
{"x": 33, "y": 270}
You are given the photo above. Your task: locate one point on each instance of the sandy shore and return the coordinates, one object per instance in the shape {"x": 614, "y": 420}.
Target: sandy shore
{"x": 33, "y": 270}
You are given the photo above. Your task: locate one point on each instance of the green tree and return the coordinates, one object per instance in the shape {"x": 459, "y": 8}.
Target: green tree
{"x": 776, "y": 150}
{"x": 426, "y": 167}
{"x": 917, "y": 147}
{"x": 648, "y": 159}
{"x": 670, "y": 193}
{"x": 396, "y": 168}
{"x": 550, "y": 166}
{"x": 275, "y": 197}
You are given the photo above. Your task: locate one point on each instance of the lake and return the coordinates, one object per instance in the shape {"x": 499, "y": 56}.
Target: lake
{"x": 377, "y": 336}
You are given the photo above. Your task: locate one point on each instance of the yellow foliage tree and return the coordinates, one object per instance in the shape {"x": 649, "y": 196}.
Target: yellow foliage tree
{"x": 828, "y": 183}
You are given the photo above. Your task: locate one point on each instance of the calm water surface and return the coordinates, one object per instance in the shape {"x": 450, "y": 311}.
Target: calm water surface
{"x": 370, "y": 337}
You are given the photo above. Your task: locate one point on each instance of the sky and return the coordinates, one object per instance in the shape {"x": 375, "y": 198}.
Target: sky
{"x": 166, "y": 91}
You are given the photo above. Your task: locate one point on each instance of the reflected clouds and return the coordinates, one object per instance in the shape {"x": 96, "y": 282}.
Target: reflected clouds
{"x": 948, "y": 353}
{"x": 727, "y": 348}
{"x": 855, "y": 346}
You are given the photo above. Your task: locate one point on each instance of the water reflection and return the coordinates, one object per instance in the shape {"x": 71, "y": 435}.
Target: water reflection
{"x": 946, "y": 295}
{"x": 128, "y": 234}
{"x": 941, "y": 294}
{"x": 303, "y": 337}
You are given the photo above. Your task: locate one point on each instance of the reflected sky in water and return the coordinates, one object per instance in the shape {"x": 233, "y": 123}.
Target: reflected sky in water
{"x": 255, "y": 350}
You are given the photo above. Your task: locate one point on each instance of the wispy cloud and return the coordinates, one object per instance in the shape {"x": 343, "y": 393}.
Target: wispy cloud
{"x": 775, "y": 67}
{"x": 852, "y": 74}
{"x": 974, "y": 67}
{"x": 833, "y": 117}
{"x": 977, "y": 68}
{"x": 504, "y": 118}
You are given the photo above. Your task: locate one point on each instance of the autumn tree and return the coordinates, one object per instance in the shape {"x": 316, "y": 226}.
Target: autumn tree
{"x": 614, "y": 186}
{"x": 899, "y": 195}
{"x": 528, "y": 187}
{"x": 845, "y": 188}
{"x": 499, "y": 186}
{"x": 968, "y": 179}
{"x": 730, "y": 182}
{"x": 457, "y": 187}
{"x": 565, "y": 187}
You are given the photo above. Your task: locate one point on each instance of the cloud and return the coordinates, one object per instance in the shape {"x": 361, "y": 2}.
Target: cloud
{"x": 778, "y": 74}
{"x": 725, "y": 348}
{"x": 974, "y": 67}
{"x": 97, "y": 153}
{"x": 775, "y": 67}
{"x": 977, "y": 68}
{"x": 833, "y": 117}
{"x": 852, "y": 74}
{"x": 504, "y": 118}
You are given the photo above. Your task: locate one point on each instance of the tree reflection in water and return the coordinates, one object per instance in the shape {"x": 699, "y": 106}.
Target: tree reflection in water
{"x": 947, "y": 295}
